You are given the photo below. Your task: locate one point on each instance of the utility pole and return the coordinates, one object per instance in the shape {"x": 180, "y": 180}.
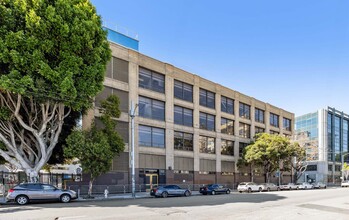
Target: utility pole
{"x": 133, "y": 115}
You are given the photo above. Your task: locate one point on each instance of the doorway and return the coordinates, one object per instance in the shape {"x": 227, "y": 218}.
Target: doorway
{"x": 151, "y": 180}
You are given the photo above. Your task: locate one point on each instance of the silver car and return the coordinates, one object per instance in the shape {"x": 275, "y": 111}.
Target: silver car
{"x": 27, "y": 192}
{"x": 169, "y": 190}
{"x": 269, "y": 187}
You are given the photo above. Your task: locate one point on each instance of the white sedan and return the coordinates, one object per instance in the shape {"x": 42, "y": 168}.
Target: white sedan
{"x": 249, "y": 187}
{"x": 305, "y": 186}
{"x": 345, "y": 184}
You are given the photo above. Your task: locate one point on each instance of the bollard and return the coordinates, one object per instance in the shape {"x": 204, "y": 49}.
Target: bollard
{"x": 124, "y": 189}
{"x": 79, "y": 193}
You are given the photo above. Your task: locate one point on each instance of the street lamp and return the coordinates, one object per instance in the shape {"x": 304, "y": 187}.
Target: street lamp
{"x": 133, "y": 115}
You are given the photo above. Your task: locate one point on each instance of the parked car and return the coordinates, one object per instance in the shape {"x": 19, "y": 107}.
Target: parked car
{"x": 214, "y": 189}
{"x": 249, "y": 187}
{"x": 345, "y": 183}
{"x": 288, "y": 186}
{"x": 269, "y": 187}
{"x": 319, "y": 185}
{"x": 169, "y": 190}
{"x": 305, "y": 186}
{"x": 28, "y": 192}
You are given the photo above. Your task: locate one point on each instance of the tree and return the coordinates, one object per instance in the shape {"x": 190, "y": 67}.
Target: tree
{"x": 53, "y": 56}
{"x": 345, "y": 171}
{"x": 269, "y": 152}
{"x": 96, "y": 148}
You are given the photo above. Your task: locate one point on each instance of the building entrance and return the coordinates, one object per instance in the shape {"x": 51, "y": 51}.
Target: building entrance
{"x": 151, "y": 180}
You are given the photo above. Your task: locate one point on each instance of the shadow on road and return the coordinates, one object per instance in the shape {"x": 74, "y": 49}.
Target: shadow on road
{"x": 172, "y": 202}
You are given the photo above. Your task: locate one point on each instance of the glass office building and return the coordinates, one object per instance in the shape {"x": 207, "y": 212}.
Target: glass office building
{"x": 325, "y": 135}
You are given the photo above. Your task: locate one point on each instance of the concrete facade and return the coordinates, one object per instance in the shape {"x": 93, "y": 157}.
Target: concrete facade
{"x": 169, "y": 159}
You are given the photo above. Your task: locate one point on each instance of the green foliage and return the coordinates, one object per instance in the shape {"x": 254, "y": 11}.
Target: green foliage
{"x": 52, "y": 50}
{"x": 268, "y": 151}
{"x": 96, "y": 147}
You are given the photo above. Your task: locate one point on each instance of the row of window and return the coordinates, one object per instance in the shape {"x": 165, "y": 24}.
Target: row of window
{"x": 156, "y": 82}
{"x": 155, "y": 137}
{"x": 154, "y": 109}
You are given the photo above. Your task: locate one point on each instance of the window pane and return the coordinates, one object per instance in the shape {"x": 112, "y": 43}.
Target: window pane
{"x": 230, "y": 106}
{"x": 210, "y": 100}
{"x": 144, "y": 136}
{"x": 223, "y": 104}
{"x": 144, "y": 78}
{"x": 202, "y": 144}
{"x": 158, "y": 82}
{"x": 178, "y": 140}
{"x": 203, "y": 121}
{"x": 144, "y": 107}
{"x": 188, "y": 92}
{"x": 178, "y": 115}
{"x": 188, "y": 117}
{"x": 178, "y": 91}
{"x": 203, "y": 97}
{"x": 210, "y": 122}
{"x": 158, "y": 110}
{"x": 158, "y": 137}
{"x": 211, "y": 145}
{"x": 188, "y": 142}
{"x": 223, "y": 125}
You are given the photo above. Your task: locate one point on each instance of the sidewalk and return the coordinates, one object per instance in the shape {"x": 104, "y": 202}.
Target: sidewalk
{"x": 139, "y": 195}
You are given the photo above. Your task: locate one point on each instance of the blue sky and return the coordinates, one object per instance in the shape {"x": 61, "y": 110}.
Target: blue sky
{"x": 293, "y": 54}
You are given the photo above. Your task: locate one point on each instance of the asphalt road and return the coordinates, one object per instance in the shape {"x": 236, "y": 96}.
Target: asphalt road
{"x": 306, "y": 204}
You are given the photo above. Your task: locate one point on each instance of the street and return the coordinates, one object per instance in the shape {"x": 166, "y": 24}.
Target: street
{"x": 326, "y": 204}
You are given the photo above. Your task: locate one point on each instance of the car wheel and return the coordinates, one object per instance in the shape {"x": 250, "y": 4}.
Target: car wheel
{"x": 240, "y": 191}
{"x": 260, "y": 189}
{"x": 65, "y": 198}
{"x": 187, "y": 193}
{"x": 164, "y": 194}
{"x": 249, "y": 190}
{"x": 22, "y": 200}
{"x": 268, "y": 189}
{"x": 228, "y": 191}
{"x": 204, "y": 194}
{"x": 213, "y": 192}
{"x": 325, "y": 187}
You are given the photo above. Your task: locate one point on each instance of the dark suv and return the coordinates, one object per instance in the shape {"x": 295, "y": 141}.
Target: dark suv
{"x": 27, "y": 192}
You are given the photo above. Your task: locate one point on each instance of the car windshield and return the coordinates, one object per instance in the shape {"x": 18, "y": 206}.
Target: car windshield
{"x": 242, "y": 184}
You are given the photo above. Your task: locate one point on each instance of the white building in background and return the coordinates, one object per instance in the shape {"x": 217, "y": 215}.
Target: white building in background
{"x": 325, "y": 135}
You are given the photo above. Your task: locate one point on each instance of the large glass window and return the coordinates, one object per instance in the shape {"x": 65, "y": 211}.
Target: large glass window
{"x": 274, "y": 120}
{"x": 183, "y": 116}
{"x": 207, "y": 121}
{"x": 227, "y": 147}
{"x": 207, "y": 145}
{"x": 183, "y": 141}
{"x": 242, "y": 147}
{"x": 286, "y": 124}
{"x": 183, "y": 91}
{"x": 227, "y": 126}
{"x": 151, "y": 80}
{"x": 207, "y": 98}
{"x": 244, "y": 130}
{"x": 259, "y": 115}
{"x": 259, "y": 130}
{"x": 227, "y": 105}
{"x": 150, "y": 108}
{"x": 151, "y": 136}
{"x": 244, "y": 111}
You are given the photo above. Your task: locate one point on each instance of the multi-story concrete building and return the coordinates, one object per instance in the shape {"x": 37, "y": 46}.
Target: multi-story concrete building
{"x": 188, "y": 129}
{"x": 325, "y": 134}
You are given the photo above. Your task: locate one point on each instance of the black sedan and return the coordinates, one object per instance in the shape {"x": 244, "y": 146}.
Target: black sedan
{"x": 214, "y": 189}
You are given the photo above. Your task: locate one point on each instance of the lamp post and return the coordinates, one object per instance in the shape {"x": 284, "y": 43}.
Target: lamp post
{"x": 133, "y": 115}
{"x": 342, "y": 162}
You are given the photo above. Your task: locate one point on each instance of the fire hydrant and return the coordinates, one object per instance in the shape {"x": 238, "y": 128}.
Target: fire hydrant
{"x": 106, "y": 192}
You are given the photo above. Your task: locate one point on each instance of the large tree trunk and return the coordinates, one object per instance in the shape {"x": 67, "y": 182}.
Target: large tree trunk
{"x": 30, "y": 132}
